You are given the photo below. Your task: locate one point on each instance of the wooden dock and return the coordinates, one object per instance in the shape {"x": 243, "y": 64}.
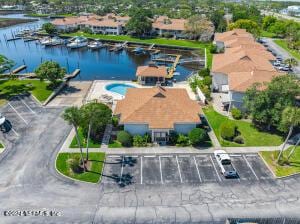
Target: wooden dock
{"x": 13, "y": 38}
{"x": 17, "y": 70}
{"x": 150, "y": 47}
{"x": 73, "y": 74}
{"x": 173, "y": 68}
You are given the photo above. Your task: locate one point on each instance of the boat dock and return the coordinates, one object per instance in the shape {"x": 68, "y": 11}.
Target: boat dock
{"x": 13, "y": 38}
{"x": 17, "y": 70}
{"x": 27, "y": 39}
{"x": 73, "y": 74}
{"x": 173, "y": 68}
{"x": 150, "y": 47}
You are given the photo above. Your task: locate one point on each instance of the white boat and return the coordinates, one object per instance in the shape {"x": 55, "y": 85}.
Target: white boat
{"x": 55, "y": 41}
{"x": 78, "y": 43}
{"x": 45, "y": 40}
{"x": 95, "y": 45}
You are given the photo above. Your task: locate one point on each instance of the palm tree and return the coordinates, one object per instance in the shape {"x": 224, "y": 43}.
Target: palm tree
{"x": 291, "y": 62}
{"x": 293, "y": 150}
{"x": 291, "y": 118}
{"x": 89, "y": 112}
{"x": 73, "y": 116}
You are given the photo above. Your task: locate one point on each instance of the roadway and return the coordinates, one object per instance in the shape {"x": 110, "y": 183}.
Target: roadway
{"x": 29, "y": 181}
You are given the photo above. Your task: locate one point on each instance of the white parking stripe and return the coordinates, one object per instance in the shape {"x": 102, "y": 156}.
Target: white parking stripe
{"x": 235, "y": 155}
{"x": 16, "y": 133}
{"x": 122, "y": 167}
{"x": 197, "y": 169}
{"x": 250, "y": 167}
{"x": 238, "y": 178}
{"x": 166, "y": 156}
{"x": 215, "y": 168}
{"x": 112, "y": 156}
{"x": 149, "y": 156}
{"x": 141, "y": 170}
{"x": 179, "y": 169}
{"x": 161, "y": 177}
{"x": 18, "y": 114}
{"x": 29, "y": 108}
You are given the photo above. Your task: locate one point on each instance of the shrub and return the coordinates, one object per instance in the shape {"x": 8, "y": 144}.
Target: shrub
{"x": 139, "y": 141}
{"x": 204, "y": 72}
{"x": 74, "y": 164}
{"x": 173, "y": 138}
{"x": 182, "y": 140}
{"x": 228, "y": 131}
{"x": 197, "y": 135}
{"x": 207, "y": 80}
{"x": 239, "y": 139}
{"x": 214, "y": 49}
{"x": 124, "y": 138}
{"x": 236, "y": 113}
{"x": 115, "y": 121}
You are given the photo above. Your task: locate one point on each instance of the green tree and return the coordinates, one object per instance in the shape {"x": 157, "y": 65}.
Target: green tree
{"x": 49, "y": 28}
{"x": 197, "y": 136}
{"x": 51, "y": 71}
{"x": 124, "y": 138}
{"x": 291, "y": 62}
{"x": 268, "y": 21}
{"x": 199, "y": 28}
{"x": 266, "y": 106}
{"x": 291, "y": 119}
{"x": 139, "y": 23}
{"x": 74, "y": 117}
{"x": 249, "y": 25}
{"x": 95, "y": 118}
{"x": 279, "y": 28}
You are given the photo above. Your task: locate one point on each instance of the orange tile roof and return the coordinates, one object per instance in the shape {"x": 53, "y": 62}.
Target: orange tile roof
{"x": 165, "y": 23}
{"x": 241, "y": 61}
{"x": 233, "y": 34}
{"x": 102, "y": 23}
{"x": 152, "y": 71}
{"x": 260, "y": 51}
{"x": 241, "y": 81}
{"x": 158, "y": 107}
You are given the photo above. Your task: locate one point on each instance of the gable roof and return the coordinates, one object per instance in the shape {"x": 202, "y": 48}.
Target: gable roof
{"x": 241, "y": 61}
{"x": 232, "y": 34}
{"x": 165, "y": 23}
{"x": 158, "y": 107}
{"x": 152, "y": 71}
{"x": 241, "y": 81}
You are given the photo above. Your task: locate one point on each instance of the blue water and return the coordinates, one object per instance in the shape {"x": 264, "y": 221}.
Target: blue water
{"x": 119, "y": 88}
{"x": 94, "y": 64}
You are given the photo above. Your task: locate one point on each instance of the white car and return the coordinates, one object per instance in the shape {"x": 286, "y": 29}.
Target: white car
{"x": 2, "y": 119}
{"x": 225, "y": 165}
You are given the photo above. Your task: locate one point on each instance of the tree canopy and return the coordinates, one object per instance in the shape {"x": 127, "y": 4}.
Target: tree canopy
{"x": 199, "y": 28}
{"x": 139, "y": 23}
{"x": 266, "y": 106}
{"x": 51, "y": 71}
{"x": 49, "y": 28}
{"x": 249, "y": 25}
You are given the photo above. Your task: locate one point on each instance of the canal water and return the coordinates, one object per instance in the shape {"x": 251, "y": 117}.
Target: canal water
{"x": 94, "y": 64}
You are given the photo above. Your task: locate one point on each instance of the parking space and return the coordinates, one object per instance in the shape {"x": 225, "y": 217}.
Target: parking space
{"x": 19, "y": 112}
{"x": 181, "y": 169}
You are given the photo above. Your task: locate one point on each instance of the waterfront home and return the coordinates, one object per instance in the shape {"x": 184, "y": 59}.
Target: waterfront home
{"x": 151, "y": 74}
{"x": 233, "y": 38}
{"x": 163, "y": 25}
{"x": 158, "y": 111}
{"x": 108, "y": 24}
{"x": 243, "y": 63}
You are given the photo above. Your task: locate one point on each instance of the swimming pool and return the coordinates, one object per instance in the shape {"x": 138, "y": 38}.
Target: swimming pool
{"x": 119, "y": 88}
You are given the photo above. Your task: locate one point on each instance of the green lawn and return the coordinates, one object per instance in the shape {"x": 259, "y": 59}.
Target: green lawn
{"x": 93, "y": 175}
{"x": 251, "y": 135}
{"x": 92, "y": 143}
{"x": 9, "y": 88}
{"x": 283, "y": 44}
{"x": 114, "y": 144}
{"x": 267, "y": 34}
{"x": 160, "y": 41}
{"x": 284, "y": 170}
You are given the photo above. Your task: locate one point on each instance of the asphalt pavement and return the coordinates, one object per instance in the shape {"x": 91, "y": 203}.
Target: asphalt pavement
{"x": 168, "y": 191}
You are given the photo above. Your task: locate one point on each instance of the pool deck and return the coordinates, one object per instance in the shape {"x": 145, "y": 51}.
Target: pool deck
{"x": 98, "y": 89}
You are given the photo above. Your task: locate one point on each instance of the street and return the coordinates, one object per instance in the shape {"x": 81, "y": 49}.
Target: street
{"x": 171, "y": 189}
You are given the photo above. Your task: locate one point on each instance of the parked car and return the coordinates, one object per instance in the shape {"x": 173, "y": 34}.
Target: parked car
{"x": 225, "y": 165}
{"x": 2, "y": 122}
{"x": 277, "y": 63}
{"x": 278, "y": 58}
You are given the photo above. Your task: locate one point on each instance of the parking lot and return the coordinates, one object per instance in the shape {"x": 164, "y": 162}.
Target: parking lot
{"x": 180, "y": 169}
{"x": 19, "y": 112}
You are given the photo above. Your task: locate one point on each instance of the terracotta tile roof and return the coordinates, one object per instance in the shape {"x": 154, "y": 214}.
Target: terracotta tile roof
{"x": 259, "y": 50}
{"x": 152, "y": 71}
{"x": 239, "y": 41}
{"x": 233, "y": 34}
{"x": 70, "y": 20}
{"x": 165, "y": 23}
{"x": 102, "y": 23}
{"x": 158, "y": 107}
{"x": 241, "y": 81}
{"x": 241, "y": 61}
